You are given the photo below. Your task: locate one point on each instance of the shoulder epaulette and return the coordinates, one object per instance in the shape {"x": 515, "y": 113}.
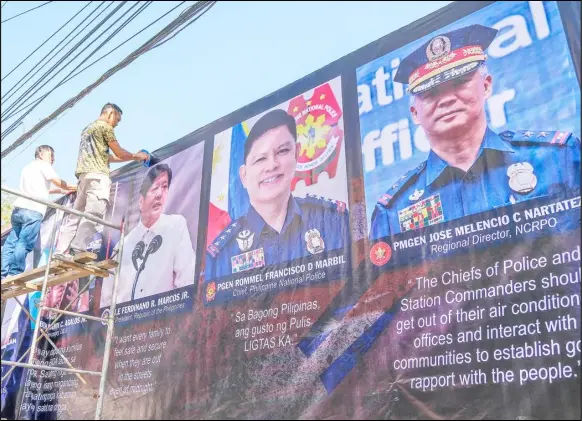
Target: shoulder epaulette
{"x": 223, "y": 238}
{"x": 402, "y": 182}
{"x": 333, "y": 204}
{"x": 530, "y": 136}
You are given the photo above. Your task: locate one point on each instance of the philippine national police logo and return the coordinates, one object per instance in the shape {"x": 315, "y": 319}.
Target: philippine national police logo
{"x": 315, "y": 243}
{"x": 438, "y": 47}
{"x": 105, "y": 315}
{"x": 245, "y": 240}
{"x": 380, "y": 253}
{"x": 521, "y": 177}
{"x": 211, "y": 291}
{"x": 319, "y": 134}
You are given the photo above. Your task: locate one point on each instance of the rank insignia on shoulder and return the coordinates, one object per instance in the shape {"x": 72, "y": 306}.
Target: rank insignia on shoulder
{"x": 314, "y": 199}
{"x": 385, "y": 199}
{"x": 560, "y": 138}
{"x": 212, "y": 249}
{"x": 531, "y": 136}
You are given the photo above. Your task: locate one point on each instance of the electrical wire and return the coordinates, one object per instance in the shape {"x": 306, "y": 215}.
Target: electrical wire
{"x": 25, "y": 12}
{"x": 167, "y": 31}
{"x": 123, "y": 25}
{"x": 208, "y": 7}
{"x": 55, "y": 66}
{"x": 23, "y": 96}
{"x": 47, "y": 40}
{"x": 1, "y": 7}
{"x": 20, "y": 152}
{"x": 31, "y": 75}
{"x": 23, "y": 107}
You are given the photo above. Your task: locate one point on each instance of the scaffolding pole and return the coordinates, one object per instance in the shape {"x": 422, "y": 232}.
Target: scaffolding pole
{"x": 110, "y": 320}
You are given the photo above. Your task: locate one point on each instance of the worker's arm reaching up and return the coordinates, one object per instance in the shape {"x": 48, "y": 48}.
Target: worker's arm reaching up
{"x": 121, "y": 155}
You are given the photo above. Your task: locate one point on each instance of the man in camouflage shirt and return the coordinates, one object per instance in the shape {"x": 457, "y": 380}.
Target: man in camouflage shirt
{"x": 94, "y": 182}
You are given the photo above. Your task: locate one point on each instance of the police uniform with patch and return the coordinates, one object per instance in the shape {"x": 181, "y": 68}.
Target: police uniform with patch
{"x": 510, "y": 167}
{"x": 313, "y": 225}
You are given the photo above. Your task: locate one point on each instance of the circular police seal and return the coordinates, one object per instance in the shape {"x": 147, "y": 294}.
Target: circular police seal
{"x": 438, "y": 47}
{"x": 105, "y": 315}
{"x": 315, "y": 243}
{"x": 245, "y": 240}
{"x": 319, "y": 134}
{"x": 380, "y": 253}
{"x": 211, "y": 291}
{"x": 521, "y": 177}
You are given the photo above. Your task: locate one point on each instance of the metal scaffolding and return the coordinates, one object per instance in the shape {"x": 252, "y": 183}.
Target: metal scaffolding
{"x": 55, "y": 273}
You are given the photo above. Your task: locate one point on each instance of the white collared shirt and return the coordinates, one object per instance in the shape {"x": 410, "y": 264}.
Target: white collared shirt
{"x": 171, "y": 266}
{"x": 35, "y": 182}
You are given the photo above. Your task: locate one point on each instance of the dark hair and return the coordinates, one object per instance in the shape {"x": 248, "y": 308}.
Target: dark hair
{"x": 43, "y": 148}
{"x": 269, "y": 121}
{"x": 109, "y": 106}
{"x": 152, "y": 174}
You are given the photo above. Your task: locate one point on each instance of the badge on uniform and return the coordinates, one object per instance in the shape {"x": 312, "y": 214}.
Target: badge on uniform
{"x": 417, "y": 194}
{"x": 427, "y": 212}
{"x": 315, "y": 243}
{"x": 245, "y": 240}
{"x": 521, "y": 177}
{"x": 211, "y": 291}
{"x": 250, "y": 260}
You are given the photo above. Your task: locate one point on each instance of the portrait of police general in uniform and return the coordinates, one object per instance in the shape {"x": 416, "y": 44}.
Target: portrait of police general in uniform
{"x": 158, "y": 255}
{"x": 470, "y": 168}
{"x": 278, "y": 226}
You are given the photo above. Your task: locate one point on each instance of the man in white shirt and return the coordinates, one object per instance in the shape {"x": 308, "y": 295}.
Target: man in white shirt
{"x": 157, "y": 254}
{"x": 35, "y": 181}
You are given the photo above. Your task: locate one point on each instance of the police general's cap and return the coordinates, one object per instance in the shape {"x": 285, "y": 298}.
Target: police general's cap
{"x": 445, "y": 57}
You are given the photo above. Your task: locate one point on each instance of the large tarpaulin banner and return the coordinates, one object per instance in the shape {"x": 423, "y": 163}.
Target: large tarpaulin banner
{"x": 396, "y": 236}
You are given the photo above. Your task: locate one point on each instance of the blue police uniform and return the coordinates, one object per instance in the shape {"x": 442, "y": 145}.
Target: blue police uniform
{"x": 313, "y": 225}
{"x": 510, "y": 168}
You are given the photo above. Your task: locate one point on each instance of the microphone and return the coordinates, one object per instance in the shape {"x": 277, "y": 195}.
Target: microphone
{"x": 153, "y": 246}
{"x": 137, "y": 253}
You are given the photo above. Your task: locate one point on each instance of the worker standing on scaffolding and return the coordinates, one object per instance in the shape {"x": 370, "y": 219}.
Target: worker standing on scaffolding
{"x": 94, "y": 182}
{"x": 35, "y": 181}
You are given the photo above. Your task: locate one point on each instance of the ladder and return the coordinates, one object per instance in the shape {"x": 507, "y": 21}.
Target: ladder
{"x": 57, "y": 272}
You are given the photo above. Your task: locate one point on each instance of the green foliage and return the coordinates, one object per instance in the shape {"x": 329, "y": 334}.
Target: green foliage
{"x": 7, "y": 200}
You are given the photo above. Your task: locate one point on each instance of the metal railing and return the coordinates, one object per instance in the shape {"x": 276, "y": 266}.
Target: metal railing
{"x": 110, "y": 320}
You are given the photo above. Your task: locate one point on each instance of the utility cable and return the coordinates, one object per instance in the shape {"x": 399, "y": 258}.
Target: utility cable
{"x": 31, "y": 75}
{"x": 123, "y": 25}
{"x": 55, "y": 66}
{"x": 25, "y": 12}
{"x": 164, "y": 33}
{"x": 47, "y": 40}
{"x": 22, "y": 97}
{"x": 23, "y": 107}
